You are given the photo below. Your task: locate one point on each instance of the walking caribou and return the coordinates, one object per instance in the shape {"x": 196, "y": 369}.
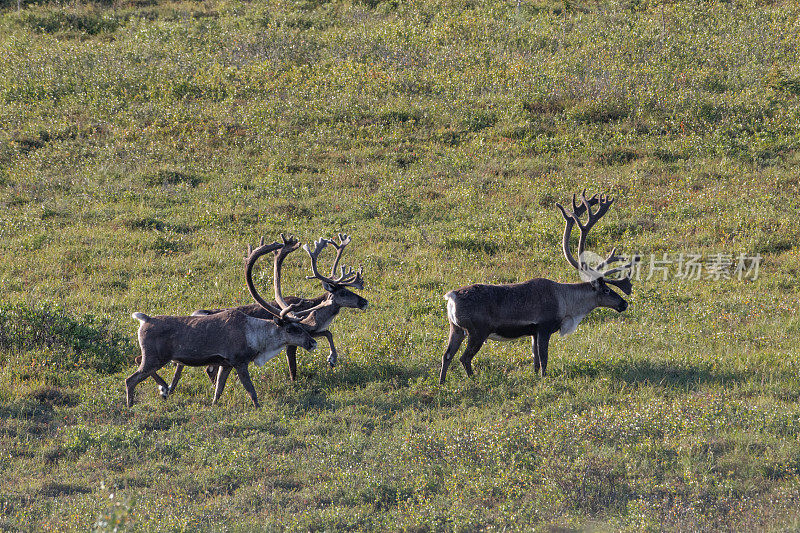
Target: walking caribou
{"x": 538, "y": 307}
{"x": 229, "y": 340}
{"x": 317, "y": 313}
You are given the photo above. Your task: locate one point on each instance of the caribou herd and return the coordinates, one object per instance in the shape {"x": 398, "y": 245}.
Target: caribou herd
{"x": 231, "y": 338}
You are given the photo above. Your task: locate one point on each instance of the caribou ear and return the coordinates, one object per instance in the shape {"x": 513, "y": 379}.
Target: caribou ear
{"x": 596, "y": 283}
{"x": 623, "y": 284}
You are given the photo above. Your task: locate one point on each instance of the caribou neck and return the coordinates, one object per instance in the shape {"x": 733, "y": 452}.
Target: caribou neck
{"x": 320, "y": 319}
{"x": 577, "y": 299}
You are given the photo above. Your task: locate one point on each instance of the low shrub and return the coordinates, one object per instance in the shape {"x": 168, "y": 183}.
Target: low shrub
{"x": 66, "y": 340}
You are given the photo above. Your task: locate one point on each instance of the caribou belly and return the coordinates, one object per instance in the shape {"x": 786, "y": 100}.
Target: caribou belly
{"x": 509, "y": 333}
{"x": 496, "y": 337}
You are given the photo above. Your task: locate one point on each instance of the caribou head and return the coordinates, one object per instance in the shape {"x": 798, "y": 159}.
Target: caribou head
{"x": 338, "y": 287}
{"x": 600, "y": 276}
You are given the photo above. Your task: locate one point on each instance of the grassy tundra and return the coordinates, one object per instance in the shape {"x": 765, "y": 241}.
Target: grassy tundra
{"x": 145, "y": 143}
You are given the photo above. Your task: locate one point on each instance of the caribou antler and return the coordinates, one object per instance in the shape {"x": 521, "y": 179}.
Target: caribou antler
{"x": 603, "y": 202}
{"x": 344, "y": 240}
{"x": 347, "y": 277}
{"x": 569, "y": 219}
{"x": 290, "y": 244}
{"x": 281, "y": 250}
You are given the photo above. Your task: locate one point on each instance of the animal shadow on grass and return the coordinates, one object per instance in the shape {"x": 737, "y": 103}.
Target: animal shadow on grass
{"x": 387, "y": 376}
{"x": 38, "y": 406}
{"x": 52, "y": 489}
{"x": 312, "y": 386}
{"x": 658, "y": 373}
{"x": 355, "y": 374}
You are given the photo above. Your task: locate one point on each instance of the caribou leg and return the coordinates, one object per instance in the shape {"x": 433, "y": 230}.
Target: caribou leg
{"x": 334, "y": 355}
{"x": 175, "y": 379}
{"x": 474, "y": 344}
{"x": 453, "y": 344}
{"x": 291, "y": 358}
{"x": 542, "y": 340}
{"x": 222, "y": 377}
{"x": 247, "y": 383}
{"x": 145, "y": 370}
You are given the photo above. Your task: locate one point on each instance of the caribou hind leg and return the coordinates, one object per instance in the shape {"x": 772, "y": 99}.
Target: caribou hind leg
{"x": 453, "y": 344}
{"x": 146, "y": 369}
{"x": 175, "y": 379}
{"x": 474, "y": 344}
{"x": 222, "y": 377}
{"x": 163, "y": 389}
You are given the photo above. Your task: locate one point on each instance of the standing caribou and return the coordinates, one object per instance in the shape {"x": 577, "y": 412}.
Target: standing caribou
{"x": 317, "y": 313}
{"x": 538, "y": 307}
{"x": 229, "y": 340}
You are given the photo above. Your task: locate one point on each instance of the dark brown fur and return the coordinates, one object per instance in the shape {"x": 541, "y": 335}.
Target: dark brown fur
{"x": 229, "y": 339}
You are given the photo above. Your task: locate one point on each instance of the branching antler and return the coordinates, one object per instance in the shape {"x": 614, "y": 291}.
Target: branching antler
{"x": 577, "y": 211}
{"x": 347, "y": 277}
{"x": 344, "y": 240}
{"x": 603, "y": 202}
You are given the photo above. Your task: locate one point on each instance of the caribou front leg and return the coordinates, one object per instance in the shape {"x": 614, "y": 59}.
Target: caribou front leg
{"x": 291, "y": 358}
{"x": 334, "y": 355}
{"x": 244, "y": 377}
{"x": 542, "y": 340}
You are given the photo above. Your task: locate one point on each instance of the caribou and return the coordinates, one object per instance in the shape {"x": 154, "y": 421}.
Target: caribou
{"x": 318, "y": 313}
{"x": 539, "y": 307}
{"x": 228, "y": 340}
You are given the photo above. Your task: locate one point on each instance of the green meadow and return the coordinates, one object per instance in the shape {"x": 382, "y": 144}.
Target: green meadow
{"x": 145, "y": 143}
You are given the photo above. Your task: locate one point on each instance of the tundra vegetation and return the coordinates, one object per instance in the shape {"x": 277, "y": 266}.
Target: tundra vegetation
{"x": 144, "y": 143}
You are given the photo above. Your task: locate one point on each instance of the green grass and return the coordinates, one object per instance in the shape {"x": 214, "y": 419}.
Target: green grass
{"x": 144, "y": 144}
